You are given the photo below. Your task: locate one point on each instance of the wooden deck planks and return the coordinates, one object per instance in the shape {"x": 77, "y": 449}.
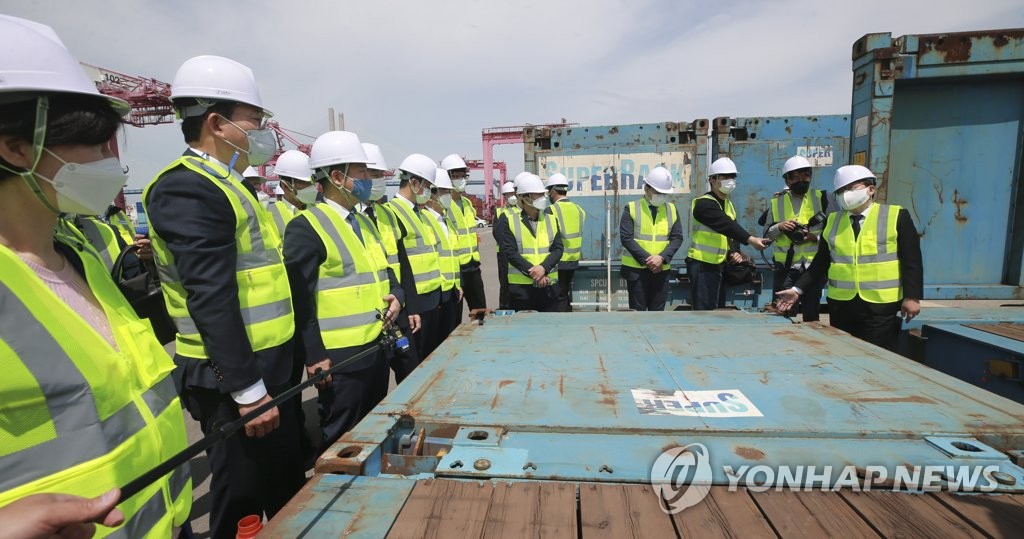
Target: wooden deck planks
{"x": 444, "y": 509}
{"x": 621, "y": 511}
{"x": 908, "y": 515}
{"x": 723, "y": 514}
{"x": 811, "y": 514}
{"x": 530, "y": 510}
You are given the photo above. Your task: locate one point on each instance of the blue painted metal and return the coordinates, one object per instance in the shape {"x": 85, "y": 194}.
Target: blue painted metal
{"x": 991, "y": 362}
{"x": 939, "y": 119}
{"x": 489, "y": 405}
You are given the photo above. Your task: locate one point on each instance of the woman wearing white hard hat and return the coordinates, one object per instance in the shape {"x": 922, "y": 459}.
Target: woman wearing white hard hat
{"x": 533, "y": 246}
{"x": 651, "y": 234}
{"x": 224, "y": 283}
{"x": 716, "y": 237}
{"x": 509, "y": 211}
{"x": 87, "y": 395}
{"x": 870, "y": 253}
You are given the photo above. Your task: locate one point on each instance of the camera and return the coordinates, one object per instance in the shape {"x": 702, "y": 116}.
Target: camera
{"x": 798, "y": 234}
{"x": 391, "y": 336}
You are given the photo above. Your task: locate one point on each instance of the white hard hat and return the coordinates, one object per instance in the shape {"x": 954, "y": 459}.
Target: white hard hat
{"x": 520, "y": 176}
{"x": 851, "y": 173}
{"x": 529, "y": 183}
{"x": 214, "y": 78}
{"x": 35, "y": 60}
{"x": 376, "y": 157}
{"x": 796, "y": 162}
{"x": 722, "y": 165}
{"x": 442, "y": 180}
{"x": 336, "y": 148}
{"x": 660, "y": 179}
{"x": 251, "y": 172}
{"x": 508, "y": 188}
{"x": 278, "y": 190}
{"x": 452, "y": 162}
{"x": 557, "y": 179}
{"x": 294, "y": 164}
{"x": 420, "y": 165}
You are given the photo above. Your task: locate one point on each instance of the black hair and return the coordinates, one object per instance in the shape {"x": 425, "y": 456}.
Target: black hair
{"x": 192, "y": 126}
{"x": 343, "y": 167}
{"x": 71, "y": 119}
{"x": 562, "y": 190}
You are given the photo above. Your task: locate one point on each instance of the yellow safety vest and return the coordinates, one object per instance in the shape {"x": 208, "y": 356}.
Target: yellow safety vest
{"x": 419, "y": 243}
{"x": 79, "y": 416}
{"x": 463, "y": 214}
{"x": 511, "y": 213}
{"x": 281, "y": 212}
{"x": 533, "y": 247}
{"x": 448, "y": 260}
{"x": 99, "y": 235}
{"x": 571, "y": 219}
{"x": 123, "y": 226}
{"x": 352, "y": 281}
{"x": 782, "y": 210}
{"x": 707, "y": 245}
{"x": 387, "y": 225}
{"x": 263, "y": 293}
{"x": 868, "y": 265}
{"x": 650, "y": 233}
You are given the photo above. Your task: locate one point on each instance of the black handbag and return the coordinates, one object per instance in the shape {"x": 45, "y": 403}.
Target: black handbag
{"x": 741, "y": 273}
{"x": 144, "y": 294}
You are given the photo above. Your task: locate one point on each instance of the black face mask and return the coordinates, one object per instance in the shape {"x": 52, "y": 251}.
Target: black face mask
{"x": 800, "y": 188}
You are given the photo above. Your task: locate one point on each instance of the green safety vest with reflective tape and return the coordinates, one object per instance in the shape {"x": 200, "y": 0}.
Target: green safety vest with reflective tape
{"x": 866, "y": 265}
{"x": 387, "y": 225}
{"x": 571, "y": 218}
{"x": 352, "y": 281}
{"x": 123, "y": 226}
{"x": 782, "y": 210}
{"x": 463, "y": 214}
{"x": 511, "y": 213}
{"x": 448, "y": 260}
{"x": 101, "y": 236}
{"x": 650, "y": 233}
{"x": 533, "y": 247}
{"x": 263, "y": 293}
{"x": 281, "y": 212}
{"x": 79, "y": 416}
{"x": 419, "y": 243}
{"x": 707, "y": 245}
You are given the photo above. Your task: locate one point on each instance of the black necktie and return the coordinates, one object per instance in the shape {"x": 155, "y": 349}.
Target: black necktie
{"x": 855, "y": 221}
{"x": 369, "y": 212}
{"x": 355, "y": 225}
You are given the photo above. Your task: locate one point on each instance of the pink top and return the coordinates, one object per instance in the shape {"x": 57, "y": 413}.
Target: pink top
{"x": 72, "y": 289}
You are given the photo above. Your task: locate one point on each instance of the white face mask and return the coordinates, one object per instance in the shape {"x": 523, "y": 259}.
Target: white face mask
{"x": 306, "y": 195}
{"x": 86, "y": 188}
{"x": 541, "y": 203}
{"x": 727, "y": 186}
{"x": 445, "y": 201}
{"x": 460, "y": 185}
{"x": 658, "y": 199}
{"x": 379, "y": 189}
{"x": 853, "y": 198}
{"x": 512, "y": 200}
{"x": 423, "y": 196}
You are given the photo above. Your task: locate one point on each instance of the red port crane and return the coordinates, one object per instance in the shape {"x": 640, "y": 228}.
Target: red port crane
{"x": 492, "y": 136}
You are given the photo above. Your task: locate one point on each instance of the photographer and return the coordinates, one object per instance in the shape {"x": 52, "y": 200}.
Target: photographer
{"x": 797, "y": 217}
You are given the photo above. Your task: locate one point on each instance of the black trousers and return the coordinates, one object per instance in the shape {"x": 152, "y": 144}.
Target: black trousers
{"x": 473, "y": 288}
{"x": 526, "y": 297}
{"x": 403, "y": 361}
{"x": 648, "y": 291}
{"x": 809, "y": 305}
{"x": 427, "y": 337}
{"x": 352, "y": 393}
{"x": 707, "y": 287}
{"x": 875, "y": 323}
{"x": 564, "y": 284}
{"x": 249, "y": 476}
{"x": 503, "y": 302}
{"x": 450, "y": 316}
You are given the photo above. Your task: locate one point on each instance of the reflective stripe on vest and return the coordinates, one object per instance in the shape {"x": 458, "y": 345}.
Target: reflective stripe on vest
{"x": 448, "y": 260}
{"x": 419, "y": 247}
{"x": 868, "y": 265}
{"x": 571, "y": 218}
{"x": 650, "y": 232}
{"x": 387, "y": 225}
{"x": 352, "y": 281}
{"x": 707, "y": 245}
{"x": 511, "y": 213}
{"x": 102, "y": 237}
{"x": 533, "y": 247}
{"x": 783, "y": 210}
{"x": 80, "y": 416}
{"x": 263, "y": 291}
{"x": 123, "y": 226}
{"x": 282, "y": 213}
{"x": 463, "y": 214}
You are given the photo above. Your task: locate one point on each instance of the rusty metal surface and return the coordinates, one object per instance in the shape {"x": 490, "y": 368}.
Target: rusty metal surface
{"x": 1009, "y": 330}
{"x": 471, "y": 509}
{"x": 547, "y": 396}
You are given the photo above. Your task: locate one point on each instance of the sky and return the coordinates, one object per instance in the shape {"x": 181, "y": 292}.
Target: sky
{"x": 426, "y": 77}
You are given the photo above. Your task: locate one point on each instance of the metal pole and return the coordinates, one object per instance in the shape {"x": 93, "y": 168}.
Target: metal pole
{"x": 330, "y": 119}
{"x": 608, "y": 250}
